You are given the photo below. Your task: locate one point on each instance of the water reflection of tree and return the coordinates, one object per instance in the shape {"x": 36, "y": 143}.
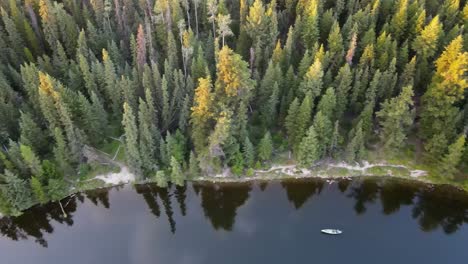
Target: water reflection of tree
{"x": 34, "y": 223}
{"x": 444, "y": 207}
{"x": 394, "y": 194}
{"x": 151, "y": 193}
{"x": 366, "y": 192}
{"x": 99, "y": 196}
{"x": 432, "y": 208}
{"x": 220, "y": 203}
{"x": 299, "y": 191}
{"x": 181, "y": 196}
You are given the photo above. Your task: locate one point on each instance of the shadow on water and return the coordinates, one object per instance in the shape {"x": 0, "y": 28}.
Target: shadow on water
{"x": 432, "y": 207}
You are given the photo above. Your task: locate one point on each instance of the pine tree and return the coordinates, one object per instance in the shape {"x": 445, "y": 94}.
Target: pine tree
{"x": 327, "y": 104}
{"x": 356, "y": 151}
{"x": 343, "y": 85}
{"x": 111, "y": 82}
{"x": 131, "y": 139}
{"x": 202, "y": 112}
{"x": 452, "y": 159}
{"x": 38, "y": 190}
{"x": 194, "y": 169}
{"x": 61, "y": 150}
{"x": 396, "y": 116}
{"x": 31, "y": 160}
{"x": 426, "y": 43}
{"x": 335, "y": 140}
{"x": 439, "y": 115}
{"x": 335, "y": 44}
{"x": 303, "y": 119}
{"x": 249, "y": 153}
{"x": 312, "y": 81}
{"x": 265, "y": 147}
{"x": 400, "y": 20}
{"x": 147, "y": 137}
{"x": 177, "y": 175}
{"x": 323, "y": 128}
{"x": 308, "y": 151}
{"x": 31, "y": 134}
{"x": 161, "y": 179}
{"x": 290, "y": 121}
{"x": 310, "y": 30}
{"x": 141, "y": 47}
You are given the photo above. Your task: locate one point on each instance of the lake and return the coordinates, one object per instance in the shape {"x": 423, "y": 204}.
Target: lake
{"x": 384, "y": 221}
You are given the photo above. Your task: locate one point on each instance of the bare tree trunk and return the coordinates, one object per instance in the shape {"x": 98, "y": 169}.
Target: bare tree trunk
{"x": 183, "y": 56}
{"x": 196, "y": 17}
{"x": 252, "y": 60}
{"x": 61, "y": 207}
{"x": 188, "y": 18}
{"x": 214, "y": 30}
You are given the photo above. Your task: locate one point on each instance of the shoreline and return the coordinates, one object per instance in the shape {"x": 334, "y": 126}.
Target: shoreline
{"x": 327, "y": 171}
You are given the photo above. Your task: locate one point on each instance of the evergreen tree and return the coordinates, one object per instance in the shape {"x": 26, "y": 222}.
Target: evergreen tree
{"x": 31, "y": 160}
{"x": 323, "y": 128}
{"x": 312, "y": 81}
{"x": 131, "y": 139}
{"x": 396, "y": 117}
{"x": 452, "y": 159}
{"x": 308, "y": 150}
{"x": 194, "y": 169}
{"x": 249, "y": 153}
{"x": 31, "y": 134}
{"x": 426, "y": 43}
{"x": 38, "y": 190}
{"x": 202, "y": 112}
{"x": 177, "y": 175}
{"x": 335, "y": 140}
{"x": 343, "y": 85}
{"x": 356, "y": 151}
{"x": 439, "y": 116}
{"x": 310, "y": 30}
{"x": 303, "y": 119}
{"x": 161, "y": 179}
{"x": 265, "y": 147}
{"x": 327, "y": 104}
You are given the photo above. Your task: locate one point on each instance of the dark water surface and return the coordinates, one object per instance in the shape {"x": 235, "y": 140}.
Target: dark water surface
{"x": 384, "y": 221}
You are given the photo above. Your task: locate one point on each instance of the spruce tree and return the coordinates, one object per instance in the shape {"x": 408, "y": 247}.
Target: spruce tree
{"x": 323, "y": 128}
{"x": 249, "y": 153}
{"x": 177, "y": 176}
{"x": 31, "y": 160}
{"x": 265, "y": 147}
{"x": 131, "y": 139}
{"x": 343, "y": 86}
{"x": 356, "y": 151}
{"x": 308, "y": 151}
{"x": 396, "y": 116}
{"x": 327, "y": 104}
{"x": 161, "y": 179}
{"x": 31, "y": 134}
{"x": 38, "y": 190}
{"x": 452, "y": 159}
{"x": 194, "y": 168}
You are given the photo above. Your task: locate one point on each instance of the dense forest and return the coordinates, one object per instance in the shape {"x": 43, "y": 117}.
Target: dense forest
{"x": 197, "y": 87}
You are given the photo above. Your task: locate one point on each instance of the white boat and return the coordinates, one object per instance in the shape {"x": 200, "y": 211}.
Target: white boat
{"x": 332, "y": 231}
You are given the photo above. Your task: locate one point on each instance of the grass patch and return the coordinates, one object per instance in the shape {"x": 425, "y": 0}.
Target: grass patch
{"x": 91, "y": 170}
{"x": 89, "y": 185}
{"x": 111, "y": 146}
{"x": 338, "y": 172}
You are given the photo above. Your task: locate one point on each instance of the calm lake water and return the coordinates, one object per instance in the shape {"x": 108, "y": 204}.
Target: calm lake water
{"x": 384, "y": 221}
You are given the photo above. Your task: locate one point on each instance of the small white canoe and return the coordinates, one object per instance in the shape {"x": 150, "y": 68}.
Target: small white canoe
{"x": 331, "y": 231}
